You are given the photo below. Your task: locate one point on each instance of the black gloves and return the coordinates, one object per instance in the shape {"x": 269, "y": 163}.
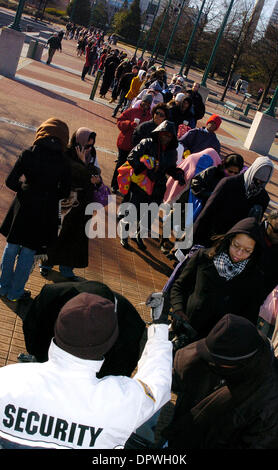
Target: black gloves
{"x": 153, "y": 175}
{"x": 180, "y": 178}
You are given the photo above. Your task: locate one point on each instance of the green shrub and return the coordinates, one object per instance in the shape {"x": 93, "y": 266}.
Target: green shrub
{"x": 55, "y": 12}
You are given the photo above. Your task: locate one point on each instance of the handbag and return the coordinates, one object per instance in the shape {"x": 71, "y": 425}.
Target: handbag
{"x": 101, "y": 194}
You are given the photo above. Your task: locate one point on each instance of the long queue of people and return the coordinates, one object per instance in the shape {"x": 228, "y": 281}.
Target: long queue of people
{"x": 204, "y": 344}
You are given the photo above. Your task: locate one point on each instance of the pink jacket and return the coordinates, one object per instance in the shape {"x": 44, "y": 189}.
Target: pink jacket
{"x": 188, "y": 164}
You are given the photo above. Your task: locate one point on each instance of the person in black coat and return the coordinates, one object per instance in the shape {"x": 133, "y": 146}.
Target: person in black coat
{"x": 197, "y": 100}
{"x": 180, "y": 111}
{"x": 161, "y": 150}
{"x": 110, "y": 65}
{"x": 124, "y": 86}
{"x": 203, "y": 184}
{"x": 40, "y": 178}
{"x": 232, "y": 200}
{"x": 71, "y": 249}
{"x": 160, "y": 113}
{"x": 227, "y": 386}
{"x": 226, "y": 278}
{"x": 39, "y": 321}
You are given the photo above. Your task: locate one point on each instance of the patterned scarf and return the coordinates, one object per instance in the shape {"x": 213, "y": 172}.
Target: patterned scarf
{"x": 226, "y": 268}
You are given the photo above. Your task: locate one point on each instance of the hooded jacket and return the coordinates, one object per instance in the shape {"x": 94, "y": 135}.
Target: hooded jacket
{"x": 167, "y": 158}
{"x": 226, "y": 408}
{"x": 205, "y": 297}
{"x": 135, "y": 85}
{"x": 260, "y": 165}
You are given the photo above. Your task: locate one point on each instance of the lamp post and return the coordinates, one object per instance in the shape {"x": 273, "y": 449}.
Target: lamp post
{"x": 191, "y": 38}
{"x": 73, "y": 10}
{"x": 17, "y": 18}
{"x": 147, "y": 37}
{"x": 94, "y": 4}
{"x": 224, "y": 22}
{"x": 270, "y": 111}
{"x": 142, "y": 31}
{"x": 172, "y": 34}
{"x": 161, "y": 27}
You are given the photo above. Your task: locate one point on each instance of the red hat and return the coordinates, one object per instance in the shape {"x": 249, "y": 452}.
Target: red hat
{"x": 215, "y": 118}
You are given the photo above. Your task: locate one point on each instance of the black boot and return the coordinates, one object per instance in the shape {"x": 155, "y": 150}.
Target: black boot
{"x": 124, "y": 243}
{"x": 140, "y": 243}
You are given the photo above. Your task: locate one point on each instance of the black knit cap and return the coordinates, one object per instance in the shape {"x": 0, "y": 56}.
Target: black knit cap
{"x": 231, "y": 340}
{"x": 87, "y": 326}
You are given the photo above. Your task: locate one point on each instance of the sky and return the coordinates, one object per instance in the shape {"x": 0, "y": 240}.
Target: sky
{"x": 268, "y": 8}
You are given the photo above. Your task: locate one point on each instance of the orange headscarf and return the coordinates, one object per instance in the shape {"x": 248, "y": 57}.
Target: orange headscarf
{"x": 53, "y": 127}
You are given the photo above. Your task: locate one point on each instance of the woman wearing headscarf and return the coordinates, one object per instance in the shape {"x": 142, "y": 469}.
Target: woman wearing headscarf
{"x": 70, "y": 250}
{"x": 40, "y": 178}
{"x": 232, "y": 200}
{"x": 135, "y": 86}
{"x": 225, "y": 278}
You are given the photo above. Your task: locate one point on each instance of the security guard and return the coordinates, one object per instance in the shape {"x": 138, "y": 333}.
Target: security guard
{"x": 61, "y": 403}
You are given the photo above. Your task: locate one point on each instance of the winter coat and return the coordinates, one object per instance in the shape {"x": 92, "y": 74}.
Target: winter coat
{"x": 54, "y": 42}
{"x": 177, "y": 116}
{"x": 38, "y": 325}
{"x": 247, "y": 416}
{"x": 190, "y": 165}
{"x": 199, "y": 139}
{"x": 226, "y": 205}
{"x": 125, "y": 82}
{"x": 71, "y": 247}
{"x": 135, "y": 86}
{"x": 126, "y": 124}
{"x": 205, "y": 297}
{"x": 143, "y": 131}
{"x": 166, "y": 159}
{"x": 198, "y": 105}
{"x": 123, "y": 68}
{"x": 203, "y": 184}
{"x": 32, "y": 219}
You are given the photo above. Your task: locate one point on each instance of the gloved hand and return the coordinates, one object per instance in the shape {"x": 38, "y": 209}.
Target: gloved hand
{"x": 152, "y": 175}
{"x": 180, "y": 179}
{"x": 156, "y": 302}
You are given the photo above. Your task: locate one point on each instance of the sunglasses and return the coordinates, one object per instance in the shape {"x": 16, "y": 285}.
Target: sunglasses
{"x": 275, "y": 230}
{"x": 160, "y": 114}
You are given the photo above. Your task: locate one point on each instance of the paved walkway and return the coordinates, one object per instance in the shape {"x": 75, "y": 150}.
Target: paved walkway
{"x": 40, "y": 91}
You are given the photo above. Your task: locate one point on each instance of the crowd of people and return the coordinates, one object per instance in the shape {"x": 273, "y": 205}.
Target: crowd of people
{"x": 83, "y": 339}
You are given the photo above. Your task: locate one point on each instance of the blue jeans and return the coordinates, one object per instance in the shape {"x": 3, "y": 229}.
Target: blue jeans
{"x": 5, "y": 444}
{"x": 147, "y": 429}
{"x": 13, "y": 279}
{"x": 66, "y": 271}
